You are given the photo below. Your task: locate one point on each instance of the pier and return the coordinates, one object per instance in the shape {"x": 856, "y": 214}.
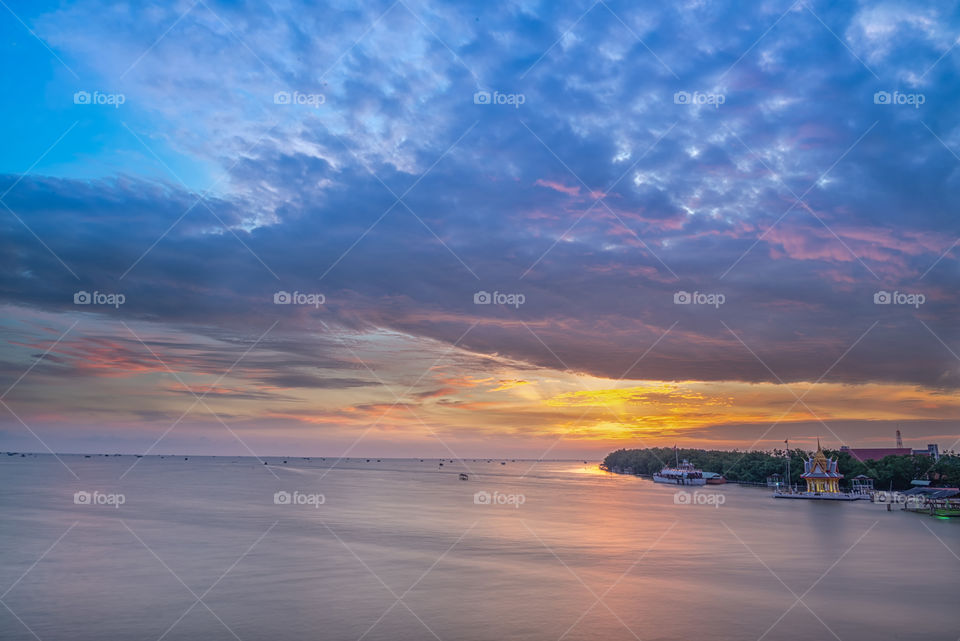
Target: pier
{"x": 933, "y": 507}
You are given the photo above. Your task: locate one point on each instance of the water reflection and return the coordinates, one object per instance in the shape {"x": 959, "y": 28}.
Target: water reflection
{"x": 585, "y": 555}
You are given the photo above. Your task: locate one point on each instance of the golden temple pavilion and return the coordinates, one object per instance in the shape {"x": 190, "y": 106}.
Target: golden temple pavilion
{"x": 821, "y": 473}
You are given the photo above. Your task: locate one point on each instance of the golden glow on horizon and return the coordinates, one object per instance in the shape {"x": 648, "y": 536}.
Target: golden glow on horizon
{"x": 421, "y": 389}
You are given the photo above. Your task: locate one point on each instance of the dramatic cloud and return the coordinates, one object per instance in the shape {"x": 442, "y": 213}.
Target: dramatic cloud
{"x": 690, "y": 195}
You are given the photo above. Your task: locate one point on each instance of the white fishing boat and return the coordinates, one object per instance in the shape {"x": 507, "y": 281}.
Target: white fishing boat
{"x": 681, "y": 474}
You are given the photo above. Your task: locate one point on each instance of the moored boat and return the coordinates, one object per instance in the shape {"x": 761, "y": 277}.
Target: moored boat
{"x": 712, "y": 478}
{"x": 681, "y": 474}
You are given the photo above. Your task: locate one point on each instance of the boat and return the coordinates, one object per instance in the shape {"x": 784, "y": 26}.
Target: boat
{"x": 681, "y": 474}
{"x": 713, "y": 478}
{"x": 464, "y": 477}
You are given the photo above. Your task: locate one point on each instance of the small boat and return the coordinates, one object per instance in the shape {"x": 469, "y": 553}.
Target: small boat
{"x": 464, "y": 477}
{"x": 713, "y": 478}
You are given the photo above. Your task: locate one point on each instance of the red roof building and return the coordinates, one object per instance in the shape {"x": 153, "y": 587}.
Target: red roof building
{"x": 876, "y": 453}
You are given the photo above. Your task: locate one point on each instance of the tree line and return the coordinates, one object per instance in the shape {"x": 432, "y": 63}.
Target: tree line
{"x": 894, "y": 472}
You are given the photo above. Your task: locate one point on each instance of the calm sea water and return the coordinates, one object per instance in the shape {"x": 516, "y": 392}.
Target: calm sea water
{"x": 402, "y": 550}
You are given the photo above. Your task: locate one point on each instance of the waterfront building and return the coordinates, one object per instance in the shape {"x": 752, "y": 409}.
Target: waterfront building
{"x": 821, "y": 473}
{"x": 861, "y": 484}
{"x": 864, "y": 454}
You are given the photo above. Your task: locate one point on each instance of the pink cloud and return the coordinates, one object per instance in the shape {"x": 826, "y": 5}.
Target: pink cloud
{"x": 556, "y": 186}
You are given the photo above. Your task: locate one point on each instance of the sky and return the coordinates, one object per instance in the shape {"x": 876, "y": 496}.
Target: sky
{"x": 528, "y": 229}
